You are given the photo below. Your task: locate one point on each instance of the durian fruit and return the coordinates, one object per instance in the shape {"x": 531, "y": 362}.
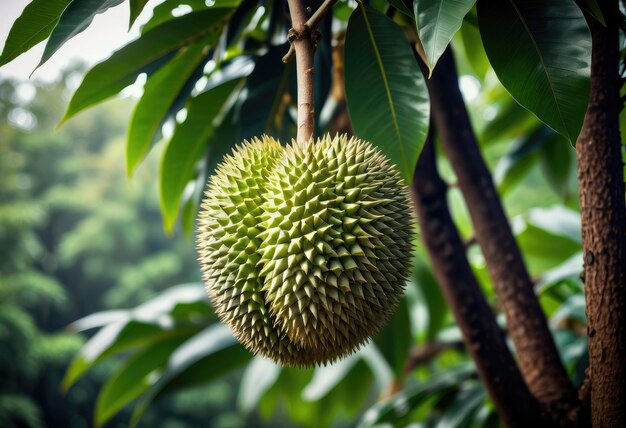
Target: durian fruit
{"x": 305, "y": 250}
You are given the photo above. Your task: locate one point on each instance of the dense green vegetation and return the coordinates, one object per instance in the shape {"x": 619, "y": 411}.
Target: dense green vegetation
{"x": 76, "y": 237}
{"x": 103, "y": 319}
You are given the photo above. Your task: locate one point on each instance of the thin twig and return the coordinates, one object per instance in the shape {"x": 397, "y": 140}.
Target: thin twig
{"x": 319, "y": 14}
{"x": 311, "y": 25}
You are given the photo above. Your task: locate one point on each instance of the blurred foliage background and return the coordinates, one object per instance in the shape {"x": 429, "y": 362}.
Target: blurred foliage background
{"x": 79, "y": 241}
{"x": 77, "y": 238}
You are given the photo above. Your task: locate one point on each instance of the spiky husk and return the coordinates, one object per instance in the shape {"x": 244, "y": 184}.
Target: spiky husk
{"x": 305, "y": 250}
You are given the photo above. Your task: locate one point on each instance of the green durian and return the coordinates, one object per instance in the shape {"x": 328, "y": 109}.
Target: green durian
{"x": 306, "y": 249}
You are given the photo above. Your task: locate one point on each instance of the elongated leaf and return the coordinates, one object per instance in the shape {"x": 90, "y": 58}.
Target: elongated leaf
{"x": 437, "y": 22}
{"x": 132, "y": 379}
{"x": 191, "y": 199}
{"x": 137, "y": 327}
{"x": 473, "y": 47}
{"x": 164, "y": 303}
{"x": 136, "y": 6}
{"x": 558, "y": 164}
{"x": 75, "y": 19}
{"x": 512, "y": 121}
{"x": 572, "y": 308}
{"x": 111, "y": 339}
{"x": 592, "y": 7}
{"x": 185, "y": 149}
{"x": 519, "y": 158}
{"x": 541, "y": 52}
{"x": 568, "y": 270}
{"x": 465, "y": 405}
{"x": 34, "y": 25}
{"x": 99, "y": 319}
{"x": 394, "y": 409}
{"x": 211, "y": 353}
{"x": 557, "y": 220}
{"x": 327, "y": 377}
{"x": 259, "y": 376}
{"x": 161, "y": 90}
{"x": 557, "y": 225}
{"x": 165, "y": 11}
{"x": 399, "y": 4}
{"x": 144, "y": 55}
{"x": 373, "y": 358}
{"x": 386, "y": 93}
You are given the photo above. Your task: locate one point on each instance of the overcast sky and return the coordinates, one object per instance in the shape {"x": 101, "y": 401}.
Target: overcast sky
{"x": 107, "y": 33}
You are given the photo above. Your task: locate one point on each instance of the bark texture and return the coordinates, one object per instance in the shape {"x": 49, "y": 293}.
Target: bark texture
{"x": 300, "y": 36}
{"x": 483, "y": 338}
{"x": 601, "y": 192}
{"x": 538, "y": 358}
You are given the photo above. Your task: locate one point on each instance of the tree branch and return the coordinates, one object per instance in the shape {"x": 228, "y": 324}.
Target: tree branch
{"x": 482, "y": 335}
{"x": 303, "y": 38}
{"x": 300, "y": 37}
{"x": 526, "y": 323}
{"x": 603, "y": 218}
{"x": 319, "y": 14}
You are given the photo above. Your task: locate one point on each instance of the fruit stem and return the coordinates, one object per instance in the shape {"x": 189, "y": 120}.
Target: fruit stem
{"x": 303, "y": 37}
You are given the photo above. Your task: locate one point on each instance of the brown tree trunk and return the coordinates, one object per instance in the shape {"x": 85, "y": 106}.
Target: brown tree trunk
{"x": 483, "y": 337}
{"x": 601, "y": 192}
{"x": 526, "y": 323}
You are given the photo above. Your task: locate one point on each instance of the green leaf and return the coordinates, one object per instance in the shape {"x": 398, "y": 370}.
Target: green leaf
{"x": 190, "y": 201}
{"x": 99, "y": 319}
{"x": 327, "y": 377}
{"x": 75, "y": 19}
{"x": 144, "y": 55}
{"x": 209, "y": 354}
{"x": 163, "y": 12}
{"x": 541, "y": 52}
{"x": 386, "y": 93}
{"x": 136, "y": 6}
{"x": 138, "y": 327}
{"x": 399, "y": 4}
{"x": 592, "y": 8}
{"x": 378, "y": 365}
{"x": 474, "y": 51}
{"x": 570, "y": 269}
{"x": 437, "y": 22}
{"x": 110, "y": 340}
{"x": 466, "y": 403}
{"x": 259, "y": 376}
{"x": 512, "y": 121}
{"x": 557, "y": 225}
{"x": 34, "y": 25}
{"x": 185, "y": 149}
{"x": 573, "y": 308}
{"x": 132, "y": 379}
{"x": 160, "y": 92}
{"x": 518, "y": 159}
{"x": 558, "y": 164}
{"x": 397, "y": 407}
